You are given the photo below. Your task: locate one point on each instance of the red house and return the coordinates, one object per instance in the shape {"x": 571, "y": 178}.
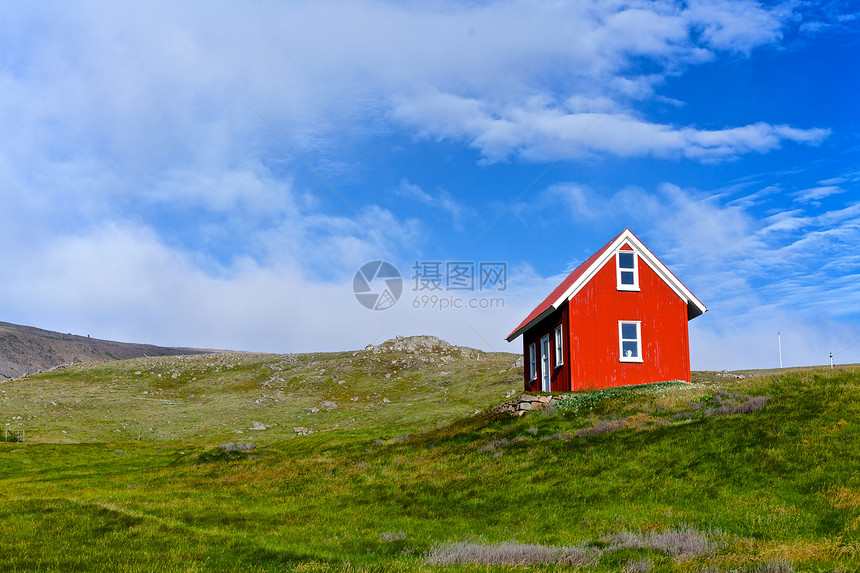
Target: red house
{"x": 619, "y": 318}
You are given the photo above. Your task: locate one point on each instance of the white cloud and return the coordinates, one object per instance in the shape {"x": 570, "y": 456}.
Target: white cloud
{"x": 816, "y": 193}
{"x": 793, "y": 272}
{"x": 442, "y": 201}
{"x": 756, "y": 197}
{"x": 104, "y": 82}
{"x": 153, "y": 203}
{"x": 547, "y": 133}
{"x": 738, "y": 26}
{"x": 122, "y": 282}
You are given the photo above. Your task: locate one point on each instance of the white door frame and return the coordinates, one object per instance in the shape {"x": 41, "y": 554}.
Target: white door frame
{"x": 544, "y": 364}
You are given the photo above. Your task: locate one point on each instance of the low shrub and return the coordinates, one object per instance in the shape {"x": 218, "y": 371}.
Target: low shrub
{"x": 493, "y": 445}
{"x": 679, "y": 543}
{"x": 637, "y": 566}
{"x": 237, "y": 447}
{"x": 776, "y": 567}
{"x": 734, "y": 404}
{"x": 389, "y": 536}
{"x": 227, "y": 452}
{"x": 508, "y": 553}
{"x": 601, "y": 427}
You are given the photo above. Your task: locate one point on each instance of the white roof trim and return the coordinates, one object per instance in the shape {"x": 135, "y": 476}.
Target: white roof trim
{"x": 627, "y": 237}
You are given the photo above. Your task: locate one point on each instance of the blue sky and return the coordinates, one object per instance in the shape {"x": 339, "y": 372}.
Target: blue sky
{"x": 214, "y": 174}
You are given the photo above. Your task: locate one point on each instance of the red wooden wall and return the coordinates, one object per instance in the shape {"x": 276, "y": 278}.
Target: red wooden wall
{"x": 592, "y": 331}
{"x": 559, "y": 376}
{"x": 590, "y": 328}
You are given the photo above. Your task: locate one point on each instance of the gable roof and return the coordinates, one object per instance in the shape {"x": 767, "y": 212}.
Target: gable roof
{"x": 580, "y": 276}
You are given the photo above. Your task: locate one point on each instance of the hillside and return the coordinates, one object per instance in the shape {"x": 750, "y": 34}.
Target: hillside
{"x": 398, "y": 386}
{"x": 395, "y": 458}
{"x": 25, "y": 350}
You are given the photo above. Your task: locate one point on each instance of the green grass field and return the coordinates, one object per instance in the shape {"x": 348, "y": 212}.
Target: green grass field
{"x": 121, "y": 470}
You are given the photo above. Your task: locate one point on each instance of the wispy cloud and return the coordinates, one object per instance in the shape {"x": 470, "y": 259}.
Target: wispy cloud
{"x": 815, "y": 193}
{"x": 540, "y": 134}
{"x": 794, "y": 271}
{"x": 442, "y": 200}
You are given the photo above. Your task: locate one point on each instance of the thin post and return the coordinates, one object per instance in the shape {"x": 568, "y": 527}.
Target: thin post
{"x": 779, "y": 342}
{"x": 831, "y": 361}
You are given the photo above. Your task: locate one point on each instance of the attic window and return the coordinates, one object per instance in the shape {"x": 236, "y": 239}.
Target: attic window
{"x": 627, "y": 264}
{"x": 629, "y": 341}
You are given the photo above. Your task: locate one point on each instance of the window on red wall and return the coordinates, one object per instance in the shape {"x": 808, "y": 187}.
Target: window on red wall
{"x": 532, "y": 362}
{"x": 544, "y": 364}
{"x": 627, "y": 264}
{"x": 559, "y": 347}
{"x": 630, "y": 341}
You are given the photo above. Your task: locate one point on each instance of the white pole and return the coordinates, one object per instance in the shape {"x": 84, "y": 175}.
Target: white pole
{"x": 831, "y": 361}
{"x": 779, "y": 341}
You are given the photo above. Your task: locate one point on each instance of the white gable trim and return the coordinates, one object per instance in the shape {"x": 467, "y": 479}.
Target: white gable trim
{"x": 628, "y": 238}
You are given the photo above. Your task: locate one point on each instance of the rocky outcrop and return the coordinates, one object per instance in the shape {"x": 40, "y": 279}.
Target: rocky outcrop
{"x": 419, "y": 345}
{"x": 526, "y": 403}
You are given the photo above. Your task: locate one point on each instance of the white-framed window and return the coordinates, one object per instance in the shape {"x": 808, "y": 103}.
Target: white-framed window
{"x": 559, "y": 347}
{"x": 627, "y": 264}
{"x": 544, "y": 364}
{"x": 630, "y": 341}
{"x": 532, "y": 362}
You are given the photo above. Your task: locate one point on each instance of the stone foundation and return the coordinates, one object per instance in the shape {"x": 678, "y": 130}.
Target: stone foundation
{"x": 526, "y": 403}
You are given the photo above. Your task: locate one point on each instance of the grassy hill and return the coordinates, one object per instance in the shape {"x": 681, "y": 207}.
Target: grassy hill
{"x": 122, "y": 469}
{"x": 399, "y": 386}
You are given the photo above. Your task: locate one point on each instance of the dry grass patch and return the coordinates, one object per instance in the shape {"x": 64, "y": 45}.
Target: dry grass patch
{"x": 845, "y": 498}
{"x": 808, "y": 550}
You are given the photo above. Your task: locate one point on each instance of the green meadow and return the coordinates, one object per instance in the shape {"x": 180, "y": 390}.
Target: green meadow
{"x": 364, "y": 461}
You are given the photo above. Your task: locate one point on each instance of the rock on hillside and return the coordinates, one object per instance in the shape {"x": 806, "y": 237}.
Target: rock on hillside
{"x": 25, "y": 350}
{"x": 420, "y": 345}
